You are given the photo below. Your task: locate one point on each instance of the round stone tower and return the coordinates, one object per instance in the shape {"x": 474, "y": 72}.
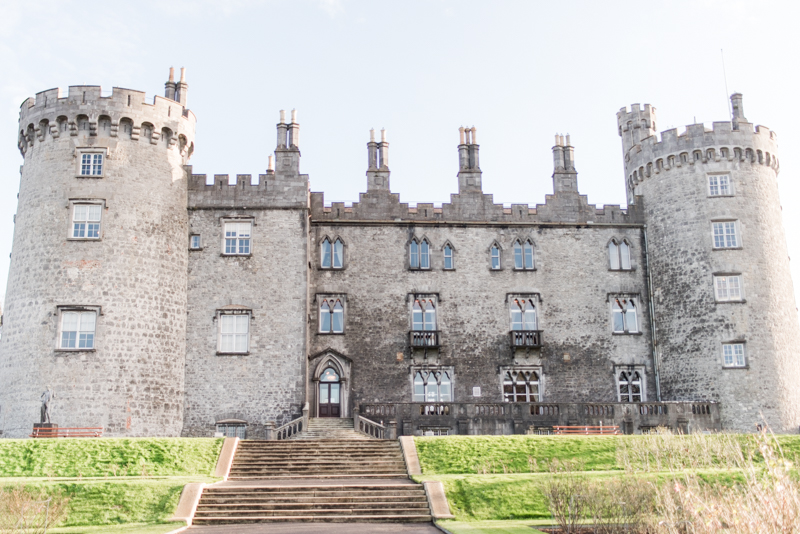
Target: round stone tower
{"x": 96, "y": 300}
{"x": 727, "y": 325}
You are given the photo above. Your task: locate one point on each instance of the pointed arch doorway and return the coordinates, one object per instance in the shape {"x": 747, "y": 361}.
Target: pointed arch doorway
{"x": 330, "y": 381}
{"x": 329, "y": 393}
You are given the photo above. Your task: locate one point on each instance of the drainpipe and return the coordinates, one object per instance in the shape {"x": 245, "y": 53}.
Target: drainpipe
{"x": 653, "y": 334}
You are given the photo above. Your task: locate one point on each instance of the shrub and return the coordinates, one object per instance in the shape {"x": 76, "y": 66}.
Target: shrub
{"x": 24, "y": 511}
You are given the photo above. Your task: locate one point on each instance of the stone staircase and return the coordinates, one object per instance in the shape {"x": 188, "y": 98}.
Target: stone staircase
{"x": 329, "y": 473}
{"x": 337, "y": 504}
{"x": 330, "y": 428}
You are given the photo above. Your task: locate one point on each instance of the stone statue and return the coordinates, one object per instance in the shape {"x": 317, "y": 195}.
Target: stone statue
{"x": 47, "y": 396}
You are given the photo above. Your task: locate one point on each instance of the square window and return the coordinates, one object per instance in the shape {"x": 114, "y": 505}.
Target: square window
{"x": 624, "y": 315}
{"x": 194, "y": 242}
{"x": 719, "y": 185}
{"x": 733, "y": 354}
{"x": 237, "y": 238}
{"x": 91, "y": 164}
{"x": 77, "y": 330}
{"x": 86, "y": 221}
{"x": 725, "y": 234}
{"x": 728, "y": 288}
{"x": 234, "y": 333}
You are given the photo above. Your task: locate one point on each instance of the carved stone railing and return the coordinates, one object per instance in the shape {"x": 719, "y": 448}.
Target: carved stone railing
{"x": 531, "y": 339}
{"x": 291, "y": 428}
{"x": 376, "y": 430}
{"x": 540, "y": 418}
{"x": 423, "y": 339}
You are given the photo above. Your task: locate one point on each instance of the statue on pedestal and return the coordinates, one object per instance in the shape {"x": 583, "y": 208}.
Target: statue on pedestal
{"x": 47, "y": 397}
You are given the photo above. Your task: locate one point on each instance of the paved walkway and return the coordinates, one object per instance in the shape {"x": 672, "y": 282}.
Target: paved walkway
{"x": 318, "y": 528}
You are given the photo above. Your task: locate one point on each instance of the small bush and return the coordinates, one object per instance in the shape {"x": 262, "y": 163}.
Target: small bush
{"x": 24, "y": 511}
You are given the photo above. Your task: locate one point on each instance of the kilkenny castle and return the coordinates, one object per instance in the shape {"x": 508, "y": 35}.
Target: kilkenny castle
{"x": 159, "y": 302}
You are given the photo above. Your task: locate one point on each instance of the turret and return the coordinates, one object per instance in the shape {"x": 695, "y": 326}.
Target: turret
{"x": 635, "y": 125}
{"x": 469, "y": 170}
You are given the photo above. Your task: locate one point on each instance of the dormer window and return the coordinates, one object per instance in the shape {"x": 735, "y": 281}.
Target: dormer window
{"x": 332, "y": 254}
{"x": 523, "y": 256}
{"x": 419, "y": 254}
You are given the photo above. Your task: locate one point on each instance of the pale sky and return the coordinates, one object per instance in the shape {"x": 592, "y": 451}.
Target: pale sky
{"x": 519, "y": 71}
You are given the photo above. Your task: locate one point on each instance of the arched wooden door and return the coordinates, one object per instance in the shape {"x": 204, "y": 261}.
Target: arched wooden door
{"x": 330, "y": 386}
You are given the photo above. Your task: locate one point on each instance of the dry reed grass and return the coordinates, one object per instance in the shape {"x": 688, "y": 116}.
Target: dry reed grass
{"x": 25, "y": 511}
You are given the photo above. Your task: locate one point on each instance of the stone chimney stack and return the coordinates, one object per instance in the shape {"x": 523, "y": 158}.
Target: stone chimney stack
{"x": 182, "y": 88}
{"x": 738, "y": 110}
{"x": 169, "y": 87}
{"x": 469, "y": 170}
{"x": 565, "y": 177}
{"x": 287, "y": 151}
{"x": 378, "y": 163}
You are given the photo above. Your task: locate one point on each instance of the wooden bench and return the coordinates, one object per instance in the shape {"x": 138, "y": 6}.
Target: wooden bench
{"x": 604, "y": 430}
{"x": 92, "y": 432}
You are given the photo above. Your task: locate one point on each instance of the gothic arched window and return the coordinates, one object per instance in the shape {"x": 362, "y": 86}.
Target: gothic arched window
{"x": 523, "y": 255}
{"x": 433, "y": 386}
{"x": 448, "y": 257}
{"x": 331, "y": 316}
{"x": 521, "y": 386}
{"x": 419, "y": 254}
{"x": 332, "y": 254}
{"x": 423, "y": 315}
{"x": 623, "y": 316}
{"x": 630, "y": 386}
{"x": 495, "y": 256}
{"x": 619, "y": 255}
{"x": 523, "y": 314}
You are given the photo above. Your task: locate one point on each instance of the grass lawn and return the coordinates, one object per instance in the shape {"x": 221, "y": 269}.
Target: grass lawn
{"x": 490, "y": 527}
{"x": 108, "y": 457}
{"x": 131, "y": 528}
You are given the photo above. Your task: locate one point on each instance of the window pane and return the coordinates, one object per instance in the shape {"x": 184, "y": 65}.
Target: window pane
{"x": 444, "y": 389}
{"x": 195, "y": 241}
{"x": 713, "y": 186}
{"x": 240, "y": 343}
{"x": 625, "y": 255}
{"x": 528, "y": 249}
{"x": 227, "y": 343}
{"x": 630, "y": 317}
{"x": 414, "y": 255}
{"x": 79, "y": 230}
{"x": 424, "y": 256}
{"x": 80, "y": 212}
{"x": 734, "y": 288}
{"x": 326, "y": 253}
{"x": 738, "y": 351}
{"x": 727, "y": 352}
{"x": 613, "y": 255}
{"x": 529, "y": 317}
{"x": 338, "y": 318}
{"x": 722, "y": 288}
{"x": 334, "y": 393}
{"x": 419, "y": 388}
{"x": 97, "y": 165}
{"x": 69, "y": 321}
{"x": 616, "y": 316}
{"x": 495, "y": 258}
{"x": 87, "y": 320}
{"x": 518, "y": 256}
{"x": 325, "y": 317}
{"x": 86, "y": 164}
{"x": 430, "y": 317}
{"x": 338, "y": 254}
{"x": 241, "y": 323}
{"x": 68, "y": 340}
{"x": 244, "y": 246}
{"x": 416, "y": 316}
{"x": 719, "y": 238}
{"x": 93, "y": 212}
{"x": 516, "y": 316}
{"x": 324, "y": 393}
{"x": 448, "y": 257}
{"x": 730, "y": 234}
{"x": 724, "y": 185}
{"x": 227, "y": 324}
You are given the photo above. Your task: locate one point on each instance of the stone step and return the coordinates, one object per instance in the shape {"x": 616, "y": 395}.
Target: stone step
{"x": 330, "y": 518}
{"x": 314, "y": 505}
{"x": 322, "y": 491}
{"x": 241, "y": 500}
{"x": 281, "y": 476}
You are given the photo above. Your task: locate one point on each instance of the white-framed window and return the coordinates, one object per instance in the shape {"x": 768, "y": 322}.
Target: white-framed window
{"x": 234, "y": 332}
{"x": 523, "y": 255}
{"x": 521, "y": 385}
{"x": 194, "y": 242}
{"x": 624, "y": 318}
{"x": 631, "y": 385}
{"x": 86, "y": 221}
{"x": 725, "y": 234}
{"x": 237, "y": 238}
{"x": 434, "y": 431}
{"x": 719, "y": 185}
{"x": 77, "y": 329}
{"x": 728, "y": 288}
{"x": 523, "y": 314}
{"x": 433, "y": 385}
{"x": 332, "y": 254}
{"x": 733, "y": 355}
{"x": 619, "y": 255}
{"x": 419, "y": 254}
{"x": 494, "y": 253}
{"x": 423, "y": 314}
{"x": 91, "y": 163}
{"x": 331, "y": 316}
{"x": 232, "y": 430}
{"x": 447, "y": 251}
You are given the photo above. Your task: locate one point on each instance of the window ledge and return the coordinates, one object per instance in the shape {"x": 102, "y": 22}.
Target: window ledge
{"x": 495, "y": 270}
{"x": 221, "y": 353}
{"x": 627, "y": 333}
{"x": 76, "y": 350}
{"x": 453, "y": 269}
{"x": 89, "y": 176}
{"x": 731, "y": 301}
{"x": 735, "y": 367}
{"x": 235, "y": 255}
{"x": 524, "y": 270}
{"x": 622, "y": 270}
{"x": 419, "y": 269}
{"x": 721, "y": 196}
{"x": 331, "y": 268}
{"x": 330, "y": 333}
{"x": 726, "y": 248}
{"x": 195, "y": 249}
{"x": 84, "y": 239}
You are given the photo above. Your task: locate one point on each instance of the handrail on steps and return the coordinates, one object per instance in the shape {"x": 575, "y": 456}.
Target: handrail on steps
{"x": 289, "y": 429}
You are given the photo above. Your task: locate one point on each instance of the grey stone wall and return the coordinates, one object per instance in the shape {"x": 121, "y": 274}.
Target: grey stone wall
{"x": 132, "y": 382}
{"x": 691, "y": 325}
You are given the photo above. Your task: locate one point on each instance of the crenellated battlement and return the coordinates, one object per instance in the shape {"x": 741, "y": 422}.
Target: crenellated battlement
{"x": 270, "y": 191}
{"x": 85, "y": 111}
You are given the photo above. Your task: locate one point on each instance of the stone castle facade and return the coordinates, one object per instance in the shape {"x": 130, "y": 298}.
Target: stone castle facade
{"x": 155, "y": 301}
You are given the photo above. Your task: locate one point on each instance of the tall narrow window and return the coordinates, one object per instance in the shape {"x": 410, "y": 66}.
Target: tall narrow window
{"x": 424, "y": 255}
{"x": 624, "y": 255}
{"x": 495, "y": 253}
{"x": 77, "y": 330}
{"x": 326, "y": 253}
{"x": 623, "y": 316}
{"x": 725, "y": 234}
{"x": 523, "y": 315}
{"x": 433, "y": 386}
{"x": 234, "y": 333}
{"x": 521, "y": 386}
{"x": 424, "y": 315}
{"x": 448, "y": 257}
{"x": 91, "y": 164}
{"x": 86, "y": 221}
{"x": 237, "y": 238}
{"x": 523, "y": 255}
{"x": 733, "y": 354}
{"x": 613, "y": 255}
{"x": 194, "y": 242}
{"x": 332, "y": 254}
{"x": 630, "y": 386}
{"x": 338, "y": 254}
{"x": 728, "y": 288}
{"x": 719, "y": 185}
{"x": 331, "y": 316}
{"x": 413, "y": 254}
